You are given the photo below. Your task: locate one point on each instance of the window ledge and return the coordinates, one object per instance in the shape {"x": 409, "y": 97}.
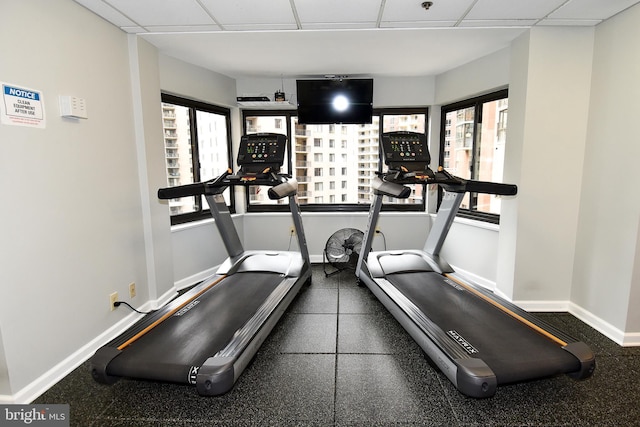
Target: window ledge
{"x": 196, "y": 224}
{"x": 474, "y": 223}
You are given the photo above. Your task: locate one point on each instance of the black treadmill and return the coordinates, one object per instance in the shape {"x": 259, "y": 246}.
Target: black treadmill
{"x": 477, "y": 339}
{"x": 208, "y": 335}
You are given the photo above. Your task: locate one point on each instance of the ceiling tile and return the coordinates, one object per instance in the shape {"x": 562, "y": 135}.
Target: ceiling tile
{"x": 107, "y": 12}
{"x": 411, "y": 10}
{"x": 260, "y": 27}
{"x": 335, "y": 11}
{"x": 512, "y": 9}
{"x": 568, "y": 22}
{"x": 498, "y": 23}
{"x": 591, "y": 9}
{"x": 339, "y": 36}
{"x": 181, "y": 28}
{"x": 165, "y": 12}
{"x": 242, "y": 12}
{"x": 417, "y": 24}
{"x": 338, "y": 25}
{"x": 134, "y": 29}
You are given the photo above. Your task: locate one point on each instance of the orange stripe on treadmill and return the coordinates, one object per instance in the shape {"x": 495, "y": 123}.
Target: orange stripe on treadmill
{"x": 167, "y": 315}
{"x": 509, "y": 312}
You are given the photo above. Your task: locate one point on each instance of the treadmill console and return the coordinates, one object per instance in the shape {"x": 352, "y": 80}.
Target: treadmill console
{"x": 405, "y": 150}
{"x": 262, "y": 151}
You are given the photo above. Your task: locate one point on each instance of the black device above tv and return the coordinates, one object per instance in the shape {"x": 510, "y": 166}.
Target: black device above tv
{"x": 329, "y": 101}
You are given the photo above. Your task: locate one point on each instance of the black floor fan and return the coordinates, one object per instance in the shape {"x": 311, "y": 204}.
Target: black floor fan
{"x": 342, "y": 250}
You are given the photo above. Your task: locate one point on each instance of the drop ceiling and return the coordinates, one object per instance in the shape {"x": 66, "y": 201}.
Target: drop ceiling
{"x": 301, "y": 38}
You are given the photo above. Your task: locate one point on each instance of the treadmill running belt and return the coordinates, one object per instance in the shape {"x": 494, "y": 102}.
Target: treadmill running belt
{"x": 511, "y": 349}
{"x": 191, "y": 336}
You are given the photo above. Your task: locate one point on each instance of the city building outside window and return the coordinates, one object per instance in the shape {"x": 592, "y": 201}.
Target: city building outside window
{"x": 317, "y": 158}
{"x": 197, "y": 148}
{"x": 473, "y": 138}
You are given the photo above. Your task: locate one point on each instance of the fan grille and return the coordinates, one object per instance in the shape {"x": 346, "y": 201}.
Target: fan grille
{"x": 343, "y": 248}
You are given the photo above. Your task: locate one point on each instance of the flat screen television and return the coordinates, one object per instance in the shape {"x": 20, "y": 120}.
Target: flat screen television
{"x": 329, "y": 101}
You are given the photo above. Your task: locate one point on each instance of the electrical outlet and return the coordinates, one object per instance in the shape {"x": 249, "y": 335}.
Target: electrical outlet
{"x": 112, "y": 299}
{"x": 292, "y": 230}
{"x": 132, "y": 289}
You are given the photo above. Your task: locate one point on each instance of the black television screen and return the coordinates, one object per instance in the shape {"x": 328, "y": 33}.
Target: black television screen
{"x": 329, "y": 101}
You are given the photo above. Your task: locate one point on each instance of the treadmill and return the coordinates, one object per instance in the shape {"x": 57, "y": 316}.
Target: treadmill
{"x": 208, "y": 335}
{"x": 477, "y": 339}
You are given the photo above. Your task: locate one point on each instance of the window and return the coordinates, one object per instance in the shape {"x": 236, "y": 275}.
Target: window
{"x": 196, "y": 142}
{"x": 472, "y": 147}
{"x": 353, "y": 157}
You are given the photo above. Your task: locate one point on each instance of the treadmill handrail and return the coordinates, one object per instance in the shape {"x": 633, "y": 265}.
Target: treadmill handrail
{"x": 484, "y": 187}
{"x": 219, "y": 184}
{"x": 390, "y": 189}
{"x": 195, "y": 189}
{"x": 442, "y": 178}
{"x": 288, "y": 188}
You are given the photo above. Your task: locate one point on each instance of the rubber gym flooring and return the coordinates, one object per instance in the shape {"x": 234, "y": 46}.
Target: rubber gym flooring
{"x": 338, "y": 358}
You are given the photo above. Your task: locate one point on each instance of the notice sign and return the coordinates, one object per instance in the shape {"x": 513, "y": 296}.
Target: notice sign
{"x": 22, "y": 106}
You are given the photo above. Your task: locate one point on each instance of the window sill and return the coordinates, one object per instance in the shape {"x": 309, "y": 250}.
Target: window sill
{"x": 474, "y": 223}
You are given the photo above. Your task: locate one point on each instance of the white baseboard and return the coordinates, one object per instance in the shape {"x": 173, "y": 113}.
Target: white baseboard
{"x": 62, "y": 369}
{"x": 475, "y": 279}
{"x": 625, "y": 339}
{"x": 58, "y": 372}
{"x": 543, "y": 306}
{"x": 32, "y": 391}
{"x": 196, "y": 278}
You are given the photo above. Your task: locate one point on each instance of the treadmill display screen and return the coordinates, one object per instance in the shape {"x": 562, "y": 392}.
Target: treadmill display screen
{"x": 403, "y": 147}
{"x": 262, "y": 148}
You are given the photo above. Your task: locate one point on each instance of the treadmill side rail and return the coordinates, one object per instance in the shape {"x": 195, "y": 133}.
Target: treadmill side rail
{"x": 216, "y": 376}
{"x": 586, "y": 357}
{"x": 475, "y": 378}
{"x": 218, "y": 373}
{"x": 99, "y": 363}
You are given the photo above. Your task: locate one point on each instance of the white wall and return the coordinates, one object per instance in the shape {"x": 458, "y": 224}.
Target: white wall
{"x": 606, "y": 281}
{"x": 544, "y": 154}
{"x": 182, "y": 79}
{"x": 83, "y": 221}
{"x": 271, "y": 231}
{"x": 5, "y": 385}
{"x": 197, "y": 249}
{"x": 73, "y": 232}
{"x": 519, "y": 66}
{"x": 152, "y": 173}
{"x": 387, "y": 91}
{"x": 471, "y": 247}
{"x": 478, "y": 77}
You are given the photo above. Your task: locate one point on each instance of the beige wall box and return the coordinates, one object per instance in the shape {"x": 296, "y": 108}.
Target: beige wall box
{"x": 73, "y": 107}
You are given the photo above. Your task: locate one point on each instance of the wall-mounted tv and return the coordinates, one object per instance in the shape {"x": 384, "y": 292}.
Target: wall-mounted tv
{"x": 329, "y": 101}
